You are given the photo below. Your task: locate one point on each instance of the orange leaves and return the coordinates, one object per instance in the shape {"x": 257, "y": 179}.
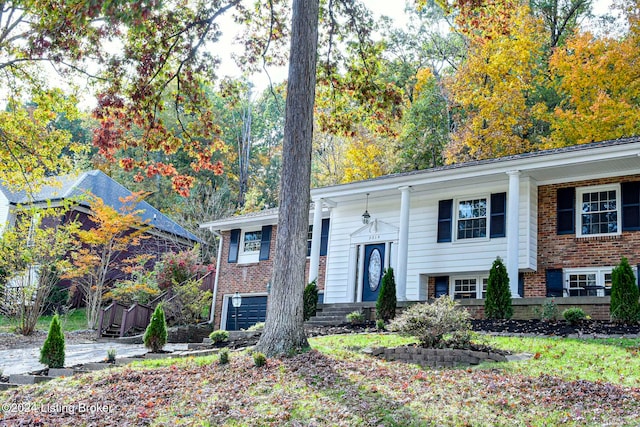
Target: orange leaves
{"x": 597, "y": 78}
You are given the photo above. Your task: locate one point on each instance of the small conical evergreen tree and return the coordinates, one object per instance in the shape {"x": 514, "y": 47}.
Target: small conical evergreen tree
{"x": 155, "y": 337}
{"x": 497, "y": 304}
{"x": 52, "y": 351}
{"x": 387, "y": 301}
{"x": 310, "y": 300}
{"x": 624, "y": 294}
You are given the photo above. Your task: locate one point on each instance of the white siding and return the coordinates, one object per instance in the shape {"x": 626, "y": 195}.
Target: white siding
{"x": 426, "y": 256}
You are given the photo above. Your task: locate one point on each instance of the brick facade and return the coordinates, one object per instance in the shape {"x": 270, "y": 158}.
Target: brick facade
{"x": 253, "y": 277}
{"x": 565, "y": 251}
{"x": 569, "y": 251}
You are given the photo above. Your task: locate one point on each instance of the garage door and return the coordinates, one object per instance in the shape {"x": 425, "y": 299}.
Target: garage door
{"x": 252, "y": 311}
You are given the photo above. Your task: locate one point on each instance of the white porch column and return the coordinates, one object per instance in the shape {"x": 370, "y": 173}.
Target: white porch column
{"x": 360, "y": 284}
{"x": 316, "y": 236}
{"x": 513, "y": 213}
{"x": 403, "y": 244}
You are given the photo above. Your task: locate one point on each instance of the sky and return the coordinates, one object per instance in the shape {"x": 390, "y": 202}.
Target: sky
{"x": 394, "y": 9}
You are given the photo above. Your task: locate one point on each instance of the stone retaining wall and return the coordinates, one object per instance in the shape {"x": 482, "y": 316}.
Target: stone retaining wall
{"x": 437, "y": 357}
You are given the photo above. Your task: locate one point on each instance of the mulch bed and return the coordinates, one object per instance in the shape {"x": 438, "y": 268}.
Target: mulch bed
{"x": 555, "y": 328}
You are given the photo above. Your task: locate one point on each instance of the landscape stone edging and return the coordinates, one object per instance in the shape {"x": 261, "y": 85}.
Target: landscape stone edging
{"x": 437, "y": 357}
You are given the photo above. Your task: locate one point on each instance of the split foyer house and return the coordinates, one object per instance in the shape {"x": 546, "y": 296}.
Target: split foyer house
{"x": 560, "y": 219}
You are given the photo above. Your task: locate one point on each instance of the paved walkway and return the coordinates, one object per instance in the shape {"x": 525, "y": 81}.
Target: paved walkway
{"x": 24, "y": 360}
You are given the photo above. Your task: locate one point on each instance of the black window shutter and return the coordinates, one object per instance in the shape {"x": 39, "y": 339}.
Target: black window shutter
{"x": 442, "y": 286}
{"x": 554, "y": 282}
{"x": 566, "y": 200}
{"x": 324, "y": 237}
{"x": 521, "y": 284}
{"x": 265, "y": 243}
{"x": 498, "y": 215}
{"x": 445, "y": 220}
{"x": 631, "y": 206}
{"x": 234, "y": 243}
{"x": 638, "y": 274}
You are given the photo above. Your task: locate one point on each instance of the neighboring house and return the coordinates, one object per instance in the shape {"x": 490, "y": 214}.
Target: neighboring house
{"x": 560, "y": 219}
{"x": 164, "y": 234}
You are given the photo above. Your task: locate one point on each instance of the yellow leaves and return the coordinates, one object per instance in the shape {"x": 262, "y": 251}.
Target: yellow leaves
{"x": 598, "y": 80}
{"x": 364, "y": 159}
{"x": 492, "y": 87}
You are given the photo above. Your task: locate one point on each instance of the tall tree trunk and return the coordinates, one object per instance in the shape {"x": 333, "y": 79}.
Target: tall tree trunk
{"x": 284, "y": 328}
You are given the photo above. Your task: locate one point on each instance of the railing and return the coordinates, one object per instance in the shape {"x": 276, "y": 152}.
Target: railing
{"x": 109, "y": 315}
{"x": 138, "y": 315}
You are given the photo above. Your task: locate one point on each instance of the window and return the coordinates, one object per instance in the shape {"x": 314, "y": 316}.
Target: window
{"x": 588, "y": 282}
{"x": 309, "y": 237}
{"x": 251, "y": 241}
{"x": 597, "y": 210}
{"x": 467, "y": 287}
{"x": 472, "y": 218}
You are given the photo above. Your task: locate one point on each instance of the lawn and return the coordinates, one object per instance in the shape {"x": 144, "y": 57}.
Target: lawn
{"x": 567, "y": 382}
{"x": 75, "y": 320}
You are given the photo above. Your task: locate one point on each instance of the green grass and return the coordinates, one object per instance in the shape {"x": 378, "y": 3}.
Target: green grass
{"x": 335, "y": 383}
{"x": 613, "y": 360}
{"x": 73, "y": 321}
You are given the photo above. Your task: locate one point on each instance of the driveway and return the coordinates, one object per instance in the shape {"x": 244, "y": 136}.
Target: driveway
{"x": 24, "y": 360}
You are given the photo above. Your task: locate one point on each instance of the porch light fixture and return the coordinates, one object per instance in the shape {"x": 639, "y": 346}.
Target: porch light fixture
{"x": 365, "y": 216}
{"x": 236, "y": 301}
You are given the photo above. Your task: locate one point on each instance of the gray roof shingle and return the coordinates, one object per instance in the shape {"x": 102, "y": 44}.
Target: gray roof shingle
{"x": 101, "y": 185}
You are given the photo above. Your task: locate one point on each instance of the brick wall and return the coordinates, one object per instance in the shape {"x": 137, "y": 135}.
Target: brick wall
{"x": 253, "y": 277}
{"x": 567, "y": 251}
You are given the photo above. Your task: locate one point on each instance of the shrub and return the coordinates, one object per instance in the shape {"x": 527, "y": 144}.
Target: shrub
{"x": 624, "y": 294}
{"x": 355, "y": 317}
{"x": 574, "y": 315}
{"x": 439, "y": 324}
{"x": 224, "y": 356}
{"x": 155, "y": 337}
{"x": 219, "y": 336}
{"x": 548, "y": 311}
{"x": 310, "y": 300}
{"x": 380, "y": 325}
{"x": 259, "y": 359}
{"x": 52, "y": 351}
{"x": 497, "y": 304}
{"x": 111, "y": 355}
{"x": 192, "y": 302}
{"x": 141, "y": 287}
{"x": 386, "y": 303}
{"x": 256, "y": 327}
{"x": 175, "y": 268}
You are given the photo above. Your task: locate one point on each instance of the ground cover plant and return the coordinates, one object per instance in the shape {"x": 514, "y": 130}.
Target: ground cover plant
{"x": 74, "y": 320}
{"x": 335, "y": 383}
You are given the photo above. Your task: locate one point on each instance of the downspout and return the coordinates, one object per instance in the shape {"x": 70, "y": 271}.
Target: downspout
{"x": 215, "y": 282}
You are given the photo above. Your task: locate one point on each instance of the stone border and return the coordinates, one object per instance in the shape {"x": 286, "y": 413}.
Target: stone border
{"x": 437, "y": 357}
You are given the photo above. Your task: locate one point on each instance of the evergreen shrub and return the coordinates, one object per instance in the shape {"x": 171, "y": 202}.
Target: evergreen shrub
{"x": 155, "y": 337}
{"x": 386, "y": 303}
{"x": 624, "y": 306}
{"x": 497, "y": 303}
{"x": 310, "y": 300}
{"x": 52, "y": 351}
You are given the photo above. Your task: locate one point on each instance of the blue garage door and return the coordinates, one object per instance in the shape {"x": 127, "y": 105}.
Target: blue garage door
{"x": 252, "y": 311}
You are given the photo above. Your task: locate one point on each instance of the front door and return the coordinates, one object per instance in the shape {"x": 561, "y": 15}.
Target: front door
{"x": 373, "y": 270}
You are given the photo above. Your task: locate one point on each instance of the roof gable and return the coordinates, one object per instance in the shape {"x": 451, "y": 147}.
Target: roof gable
{"x": 110, "y": 191}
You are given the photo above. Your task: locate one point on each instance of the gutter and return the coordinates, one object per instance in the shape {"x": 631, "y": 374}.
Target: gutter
{"x": 215, "y": 282}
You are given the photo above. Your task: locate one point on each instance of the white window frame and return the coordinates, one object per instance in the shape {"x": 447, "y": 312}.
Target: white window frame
{"x": 487, "y": 218}
{"x": 599, "y": 279}
{"x": 248, "y": 257}
{"x": 481, "y": 283}
{"x": 580, "y": 191}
